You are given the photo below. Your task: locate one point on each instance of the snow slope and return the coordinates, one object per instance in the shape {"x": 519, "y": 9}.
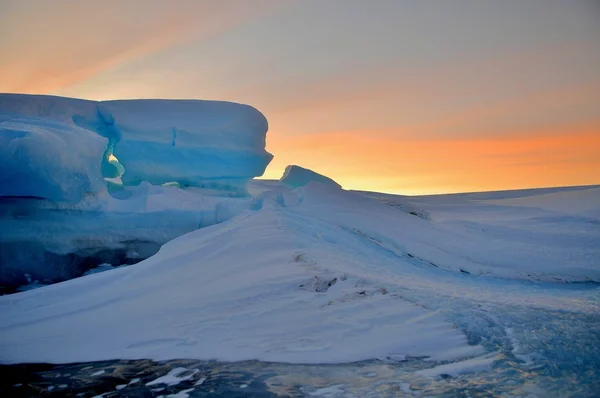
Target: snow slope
{"x": 77, "y": 142}
{"x": 230, "y": 292}
{"x": 315, "y": 274}
{"x": 547, "y": 234}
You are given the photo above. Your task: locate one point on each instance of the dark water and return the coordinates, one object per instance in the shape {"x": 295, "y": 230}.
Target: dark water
{"x": 123, "y": 378}
{"x": 192, "y": 378}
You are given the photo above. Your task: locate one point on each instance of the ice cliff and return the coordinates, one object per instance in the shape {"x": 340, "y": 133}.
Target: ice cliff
{"x": 80, "y": 181}
{"x": 61, "y": 148}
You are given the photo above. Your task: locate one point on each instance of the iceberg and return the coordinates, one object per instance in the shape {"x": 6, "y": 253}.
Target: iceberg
{"x": 296, "y": 176}
{"x": 48, "y": 159}
{"x": 56, "y": 241}
{"x": 208, "y": 144}
{"x": 76, "y": 178}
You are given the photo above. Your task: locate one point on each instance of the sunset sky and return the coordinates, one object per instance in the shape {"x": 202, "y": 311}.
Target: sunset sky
{"x": 396, "y": 96}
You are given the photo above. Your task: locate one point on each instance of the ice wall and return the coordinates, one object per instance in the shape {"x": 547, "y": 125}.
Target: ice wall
{"x": 208, "y": 144}
{"x": 80, "y": 180}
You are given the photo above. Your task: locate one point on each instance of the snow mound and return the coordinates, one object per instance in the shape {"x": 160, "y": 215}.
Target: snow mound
{"x": 196, "y": 143}
{"x": 296, "y": 176}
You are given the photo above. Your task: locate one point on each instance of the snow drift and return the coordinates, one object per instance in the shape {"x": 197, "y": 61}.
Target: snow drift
{"x": 317, "y": 275}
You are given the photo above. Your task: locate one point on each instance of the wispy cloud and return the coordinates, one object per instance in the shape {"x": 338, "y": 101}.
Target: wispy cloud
{"x": 50, "y": 45}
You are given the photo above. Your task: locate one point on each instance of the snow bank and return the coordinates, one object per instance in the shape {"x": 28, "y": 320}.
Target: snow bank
{"x": 198, "y": 143}
{"x": 296, "y": 176}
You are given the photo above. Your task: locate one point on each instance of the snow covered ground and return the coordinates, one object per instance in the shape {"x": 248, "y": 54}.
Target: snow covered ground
{"x": 322, "y": 275}
{"x": 502, "y": 285}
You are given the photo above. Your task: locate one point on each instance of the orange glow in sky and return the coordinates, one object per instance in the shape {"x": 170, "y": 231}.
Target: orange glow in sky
{"x": 392, "y": 96}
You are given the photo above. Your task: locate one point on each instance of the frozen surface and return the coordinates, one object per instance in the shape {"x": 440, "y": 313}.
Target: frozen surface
{"x": 48, "y": 159}
{"x": 79, "y": 180}
{"x": 321, "y": 275}
{"x": 53, "y": 241}
{"x": 478, "y": 364}
{"x": 296, "y": 176}
{"x": 74, "y": 143}
{"x": 547, "y": 234}
{"x": 174, "y": 377}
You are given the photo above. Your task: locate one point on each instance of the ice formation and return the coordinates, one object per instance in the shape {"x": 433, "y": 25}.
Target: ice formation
{"x": 53, "y": 241}
{"x": 76, "y": 178}
{"x": 322, "y": 275}
{"x": 296, "y": 176}
{"x": 195, "y": 143}
{"x": 297, "y": 271}
{"x": 50, "y": 159}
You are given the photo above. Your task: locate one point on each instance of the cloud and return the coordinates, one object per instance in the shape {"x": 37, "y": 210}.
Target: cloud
{"x": 48, "y": 46}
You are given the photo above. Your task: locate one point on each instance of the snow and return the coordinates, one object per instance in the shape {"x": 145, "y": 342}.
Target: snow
{"x": 230, "y": 292}
{"x": 296, "y": 176}
{"x": 74, "y": 143}
{"x": 328, "y": 392}
{"x": 493, "y": 234}
{"x": 583, "y": 202}
{"x": 300, "y": 271}
{"x": 174, "y": 377}
{"x": 479, "y": 364}
{"x": 315, "y": 275}
{"x": 181, "y": 394}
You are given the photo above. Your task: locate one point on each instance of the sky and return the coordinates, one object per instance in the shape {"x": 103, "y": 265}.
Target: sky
{"x": 410, "y": 97}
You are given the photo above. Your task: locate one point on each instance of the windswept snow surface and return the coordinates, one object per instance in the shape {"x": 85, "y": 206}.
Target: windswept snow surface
{"x": 547, "y": 234}
{"x": 321, "y": 275}
{"x": 61, "y": 148}
{"x": 296, "y": 176}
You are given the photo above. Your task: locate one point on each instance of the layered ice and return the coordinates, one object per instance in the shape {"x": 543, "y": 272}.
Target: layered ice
{"x": 49, "y": 159}
{"x": 195, "y": 143}
{"x": 55, "y": 241}
{"x": 296, "y": 176}
{"x": 76, "y": 178}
